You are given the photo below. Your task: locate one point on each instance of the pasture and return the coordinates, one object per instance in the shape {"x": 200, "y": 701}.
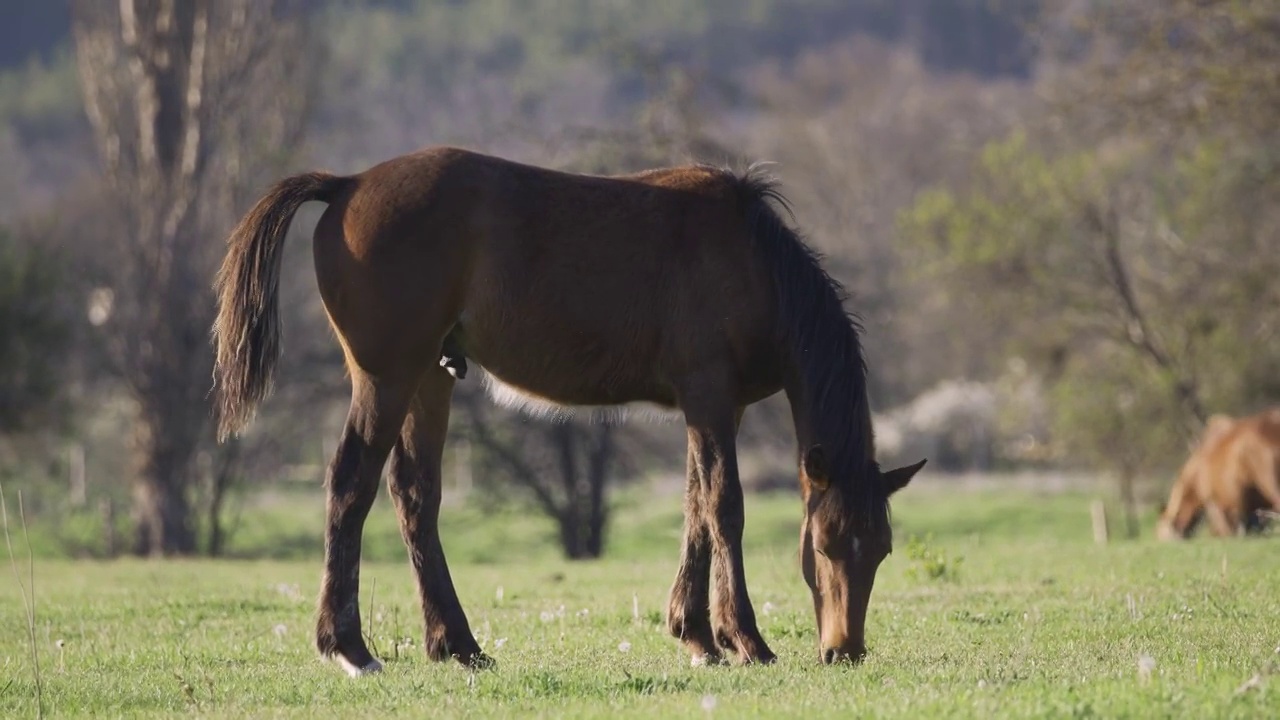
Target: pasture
{"x": 1008, "y": 610}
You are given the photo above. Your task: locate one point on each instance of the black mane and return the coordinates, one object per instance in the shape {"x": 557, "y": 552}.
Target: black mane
{"x": 822, "y": 336}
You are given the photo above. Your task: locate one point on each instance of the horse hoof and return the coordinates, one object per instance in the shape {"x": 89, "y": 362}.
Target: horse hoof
{"x": 478, "y": 661}
{"x": 354, "y": 670}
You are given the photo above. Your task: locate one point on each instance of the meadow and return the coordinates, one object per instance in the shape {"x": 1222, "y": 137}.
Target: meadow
{"x": 995, "y": 603}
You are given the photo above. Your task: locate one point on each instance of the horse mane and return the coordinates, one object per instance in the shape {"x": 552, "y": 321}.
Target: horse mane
{"x": 823, "y": 338}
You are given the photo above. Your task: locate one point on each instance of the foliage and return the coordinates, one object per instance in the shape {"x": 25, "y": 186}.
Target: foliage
{"x": 1175, "y": 72}
{"x": 1121, "y": 274}
{"x": 41, "y": 98}
{"x": 34, "y": 334}
{"x": 929, "y": 562}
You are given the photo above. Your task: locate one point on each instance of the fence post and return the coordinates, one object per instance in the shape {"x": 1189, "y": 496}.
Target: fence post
{"x": 77, "y": 491}
{"x": 1098, "y": 511}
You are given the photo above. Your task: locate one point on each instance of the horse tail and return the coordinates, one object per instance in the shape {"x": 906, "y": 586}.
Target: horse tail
{"x": 246, "y": 333}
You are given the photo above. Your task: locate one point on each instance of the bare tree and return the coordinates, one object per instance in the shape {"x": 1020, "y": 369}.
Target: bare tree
{"x": 189, "y": 100}
{"x": 566, "y": 467}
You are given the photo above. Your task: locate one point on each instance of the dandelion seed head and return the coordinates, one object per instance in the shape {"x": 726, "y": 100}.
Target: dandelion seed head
{"x": 624, "y": 646}
{"x": 708, "y": 702}
{"x": 1146, "y": 664}
{"x": 279, "y": 630}
{"x": 289, "y": 590}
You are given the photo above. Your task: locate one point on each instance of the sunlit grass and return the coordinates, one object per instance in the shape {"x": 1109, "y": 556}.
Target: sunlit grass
{"x": 1035, "y": 621}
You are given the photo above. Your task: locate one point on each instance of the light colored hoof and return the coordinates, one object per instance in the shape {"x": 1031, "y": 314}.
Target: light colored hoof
{"x": 702, "y": 660}
{"x": 356, "y": 671}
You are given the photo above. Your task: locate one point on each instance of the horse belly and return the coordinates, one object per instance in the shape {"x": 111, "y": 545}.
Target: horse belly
{"x": 531, "y": 403}
{"x": 554, "y": 371}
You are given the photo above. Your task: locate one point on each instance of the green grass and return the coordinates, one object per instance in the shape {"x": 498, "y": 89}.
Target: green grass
{"x": 1035, "y": 621}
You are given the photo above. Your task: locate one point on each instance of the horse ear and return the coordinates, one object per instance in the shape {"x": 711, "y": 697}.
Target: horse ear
{"x": 896, "y": 479}
{"x": 815, "y": 467}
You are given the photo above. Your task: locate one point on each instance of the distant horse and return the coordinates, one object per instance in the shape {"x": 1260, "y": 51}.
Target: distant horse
{"x": 680, "y": 287}
{"x": 1233, "y": 474}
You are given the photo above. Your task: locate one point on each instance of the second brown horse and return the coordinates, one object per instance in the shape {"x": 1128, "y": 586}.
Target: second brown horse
{"x": 680, "y": 287}
{"x": 1229, "y": 477}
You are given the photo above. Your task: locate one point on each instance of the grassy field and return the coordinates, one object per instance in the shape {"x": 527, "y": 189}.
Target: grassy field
{"x": 1029, "y": 618}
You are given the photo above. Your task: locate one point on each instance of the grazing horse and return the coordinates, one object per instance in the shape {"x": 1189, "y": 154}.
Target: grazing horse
{"x": 1234, "y": 473}
{"x": 680, "y": 287}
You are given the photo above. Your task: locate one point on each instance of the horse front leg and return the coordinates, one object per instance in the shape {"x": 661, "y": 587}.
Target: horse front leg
{"x": 352, "y": 484}
{"x": 415, "y": 484}
{"x": 712, "y": 431}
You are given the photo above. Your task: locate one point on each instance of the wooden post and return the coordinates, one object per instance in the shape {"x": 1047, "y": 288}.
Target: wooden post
{"x": 1098, "y": 511}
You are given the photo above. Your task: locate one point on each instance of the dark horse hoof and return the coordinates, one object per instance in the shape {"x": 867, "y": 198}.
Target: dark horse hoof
{"x": 478, "y": 661}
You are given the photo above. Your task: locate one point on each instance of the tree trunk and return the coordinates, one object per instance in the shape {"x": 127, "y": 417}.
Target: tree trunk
{"x": 161, "y": 508}
{"x": 585, "y": 514}
{"x": 571, "y": 539}
{"x": 161, "y": 516}
{"x": 1129, "y": 499}
{"x": 600, "y": 458}
{"x": 224, "y": 476}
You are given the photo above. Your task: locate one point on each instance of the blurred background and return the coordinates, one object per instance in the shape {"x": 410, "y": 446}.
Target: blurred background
{"x": 1058, "y": 220}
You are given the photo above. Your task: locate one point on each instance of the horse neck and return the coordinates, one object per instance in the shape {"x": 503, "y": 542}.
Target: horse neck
{"x": 841, "y": 439}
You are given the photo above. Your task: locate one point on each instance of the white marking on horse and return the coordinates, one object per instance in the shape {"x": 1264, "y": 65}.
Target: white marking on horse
{"x": 355, "y": 671}
{"x": 533, "y": 405}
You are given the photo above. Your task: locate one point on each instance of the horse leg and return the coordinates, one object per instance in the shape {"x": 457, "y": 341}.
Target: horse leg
{"x": 712, "y": 433}
{"x": 689, "y": 611}
{"x": 1221, "y": 522}
{"x": 1268, "y": 481}
{"x": 377, "y": 411}
{"x": 414, "y": 482}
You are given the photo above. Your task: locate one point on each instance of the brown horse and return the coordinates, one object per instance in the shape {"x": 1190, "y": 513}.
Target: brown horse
{"x": 679, "y": 287}
{"x": 1234, "y": 473}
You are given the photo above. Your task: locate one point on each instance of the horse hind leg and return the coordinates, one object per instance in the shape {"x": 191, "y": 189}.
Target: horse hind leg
{"x": 689, "y": 610}
{"x": 373, "y": 422}
{"x": 415, "y": 485}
